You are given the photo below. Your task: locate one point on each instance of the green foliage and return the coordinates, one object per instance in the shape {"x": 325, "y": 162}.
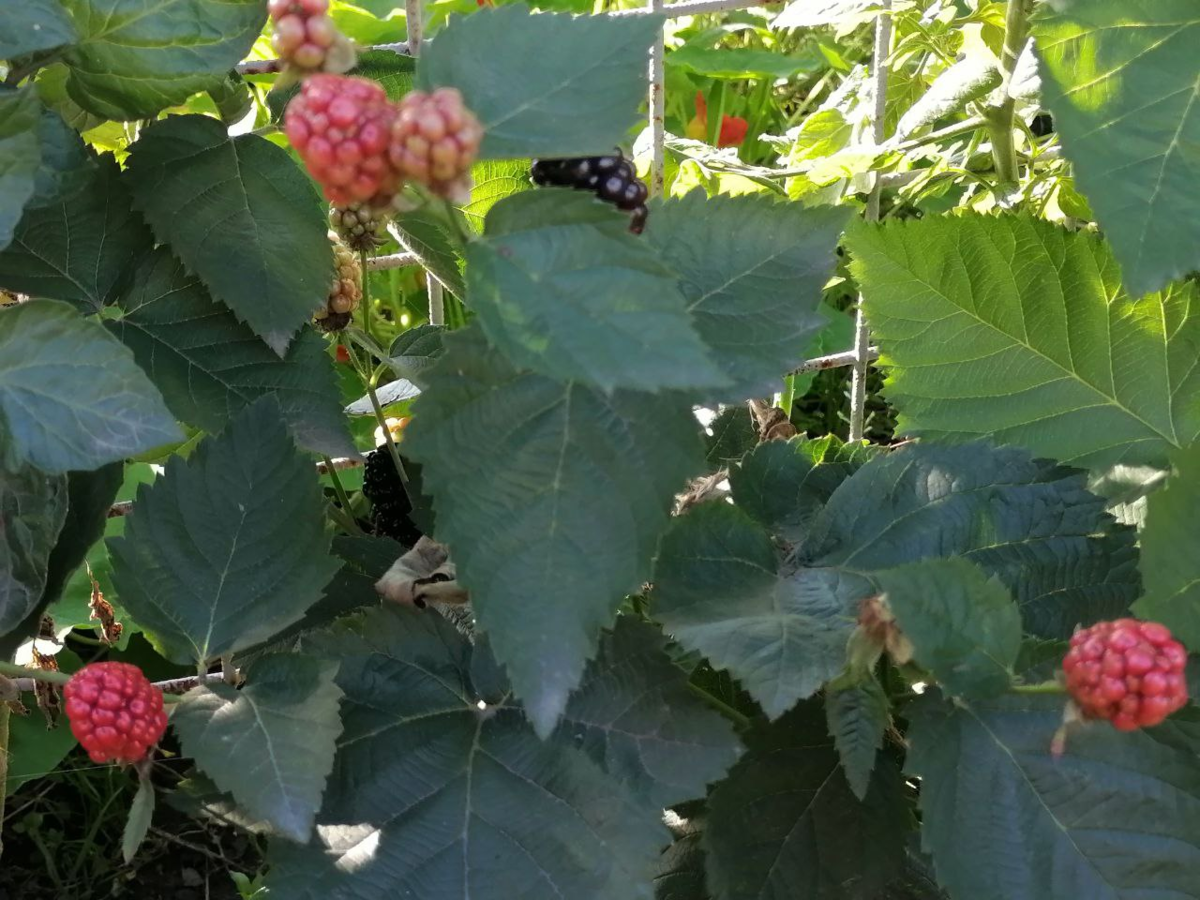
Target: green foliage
{"x": 218, "y": 201}
{"x": 210, "y": 584}
{"x": 964, "y": 626}
{"x": 751, "y": 272}
{"x": 560, "y": 286}
{"x": 589, "y": 486}
{"x": 71, "y": 396}
{"x": 165, "y": 50}
{"x": 770, "y": 820}
{"x": 858, "y": 717}
{"x": 1123, "y": 97}
{"x": 286, "y": 720}
{"x": 1003, "y": 816}
{"x": 1048, "y": 351}
{"x": 19, "y": 156}
{"x": 32, "y": 26}
{"x": 1169, "y": 562}
{"x": 561, "y": 86}
{"x": 36, "y": 505}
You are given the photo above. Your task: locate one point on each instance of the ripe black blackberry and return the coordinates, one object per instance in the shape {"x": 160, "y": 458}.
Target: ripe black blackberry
{"x": 390, "y": 506}
{"x": 611, "y": 178}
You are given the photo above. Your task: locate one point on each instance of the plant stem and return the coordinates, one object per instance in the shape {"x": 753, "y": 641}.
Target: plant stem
{"x": 966, "y": 126}
{"x": 387, "y": 436}
{"x": 1045, "y": 687}
{"x": 1000, "y": 118}
{"x": 14, "y": 671}
{"x": 338, "y": 490}
{"x": 739, "y": 719}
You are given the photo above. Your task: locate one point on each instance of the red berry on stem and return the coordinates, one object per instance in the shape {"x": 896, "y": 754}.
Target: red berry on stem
{"x": 434, "y": 141}
{"x": 340, "y": 128}
{"x": 1126, "y": 671}
{"x": 115, "y": 712}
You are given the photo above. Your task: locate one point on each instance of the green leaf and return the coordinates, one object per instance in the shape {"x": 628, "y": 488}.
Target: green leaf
{"x": 133, "y": 59}
{"x": 228, "y": 547}
{"x": 395, "y": 72}
{"x": 1031, "y": 523}
{"x": 34, "y": 750}
{"x": 71, "y": 396}
{"x": 209, "y": 365}
{"x": 964, "y": 626}
{"x": 734, "y": 434}
{"x": 785, "y": 823}
{"x": 564, "y": 85}
{"x": 78, "y": 245}
{"x": 241, "y": 215}
{"x": 811, "y": 13}
{"x": 424, "y": 235}
{"x": 137, "y": 826}
{"x": 31, "y": 26}
{"x": 458, "y": 801}
{"x": 740, "y": 62}
{"x": 784, "y": 484}
{"x": 67, "y": 167}
{"x": 271, "y": 743}
{"x": 636, "y": 717}
{"x": 752, "y": 273}
{"x": 33, "y": 508}
{"x": 1047, "y": 350}
{"x": 680, "y": 873}
{"x": 20, "y": 155}
{"x": 551, "y": 497}
{"x": 493, "y": 181}
{"x": 953, "y": 89}
{"x": 1170, "y": 567}
{"x": 858, "y": 718}
{"x": 720, "y": 589}
{"x": 561, "y": 287}
{"x": 415, "y": 351}
{"x": 1116, "y": 817}
{"x": 1121, "y": 82}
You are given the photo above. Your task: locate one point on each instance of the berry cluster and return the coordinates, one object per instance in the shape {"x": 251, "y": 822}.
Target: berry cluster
{"x": 358, "y": 225}
{"x": 340, "y": 127}
{"x": 1126, "y": 671}
{"x": 611, "y": 178}
{"x": 390, "y": 506}
{"x": 345, "y": 291}
{"x": 306, "y": 38}
{"x": 115, "y": 712}
{"x": 434, "y": 141}
{"x": 361, "y": 148}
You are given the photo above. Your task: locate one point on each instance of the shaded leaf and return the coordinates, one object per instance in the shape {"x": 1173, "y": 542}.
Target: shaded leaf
{"x": 734, "y": 434}
{"x": 784, "y": 484}
{"x": 414, "y": 352}
{"x": 133, "y": 59}
{"x": 635, "y": 716}
{"x": 858, "y": 717}
{"x": 228, "y": 547}
{"x": 1116, "y": 817}
{"x": 424, "y": 235}
{"x": 1120, "y": 80}
{"x": 560, "y": 286}
{"x": 271, "y": 743}
{"x": 33, "y": 508}
{"x": 209, "y": 365}
{"x": 752, "y": 271}
{"x": 67, "y": 166}
{"x": 459, "y": 801}
{"x": 71, "y": 396}
{"x": 30, "y": 26}
{"x": 964, "y": 626}
{"x": 1170, "y": 566}
{"x": 137, "y": 826}
{"x": 77, "y": 245}
{"x": 1048, "y": 351}
{"x": 785, "y": 823}
{"x": 680, "y": 873}
{"x": 720, "y": 588}
{"x": 564, "y": 85}
{"x": 20, "y": 154}
{"x": 241, "y": 215}
{"x": 551, "y": 497}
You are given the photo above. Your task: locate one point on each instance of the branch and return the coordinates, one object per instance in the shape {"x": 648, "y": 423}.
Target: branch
{"x": 275, "y": 66}
{"x": 392, "y": 261}
{"x": 834, "y": 361}
{"x": 1000, "y": 118}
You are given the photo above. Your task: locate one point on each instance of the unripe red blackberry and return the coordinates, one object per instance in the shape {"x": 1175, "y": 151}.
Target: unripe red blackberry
{"x": 435, "y": 138}
{"x": 345, "y": 291}
{"x": 1129, "y": 672}
{"x": 340, "y": 127}
{"x": 358, "y": 225}
{"x": 115, "y": 712}
{"x": 306, "y": 38}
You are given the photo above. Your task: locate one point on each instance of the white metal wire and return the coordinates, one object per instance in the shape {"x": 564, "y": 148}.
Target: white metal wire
{"x": 658, "y": 108}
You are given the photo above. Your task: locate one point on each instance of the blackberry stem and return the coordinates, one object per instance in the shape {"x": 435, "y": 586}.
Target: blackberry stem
{"x": 338, "y": 489}
{"x": 1045, "y": 687}
{"x": 387, "y": 436}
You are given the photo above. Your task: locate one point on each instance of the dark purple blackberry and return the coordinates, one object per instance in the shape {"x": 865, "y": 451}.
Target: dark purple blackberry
{"x": 612, "y": 178}
{"x": 1042, "y": 125}
{"x": 612, "y": 189}
{"x": 634, "y": 196}
{"x": 551, "y": 172}
{"x": 637, "y": 221}
{"x": 390, "y": 506}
